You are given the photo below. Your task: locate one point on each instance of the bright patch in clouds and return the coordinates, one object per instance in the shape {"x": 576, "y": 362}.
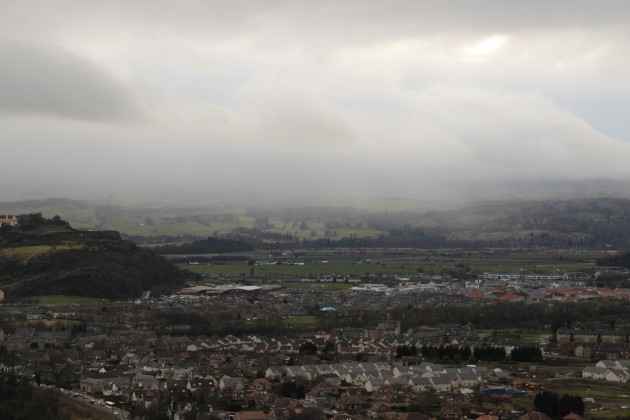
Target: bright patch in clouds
{"x": 487, "y": 46}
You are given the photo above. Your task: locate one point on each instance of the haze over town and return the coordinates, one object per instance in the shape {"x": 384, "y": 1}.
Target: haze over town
{"x": 416, "y": 99}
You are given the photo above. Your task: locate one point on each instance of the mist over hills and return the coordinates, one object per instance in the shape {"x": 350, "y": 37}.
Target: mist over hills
{"x": 590, "y": 214}
{"x": 95, "y": 260}
{"x": 443, "y": 195}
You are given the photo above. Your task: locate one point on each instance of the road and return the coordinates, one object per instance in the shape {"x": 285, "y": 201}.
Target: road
{"x": 86, "y": 400}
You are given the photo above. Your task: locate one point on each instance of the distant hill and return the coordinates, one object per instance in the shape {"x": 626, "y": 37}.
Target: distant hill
{"x": 621, "y": 260}
{"x": 51, "y": 258}
{"x": 587, "y": 214}
{"x": 588, "y": 222}
{"x": 205, "y": 246}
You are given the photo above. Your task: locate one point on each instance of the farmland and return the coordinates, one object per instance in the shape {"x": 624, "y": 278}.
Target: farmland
{"x": 577, "y": 223}
{"x": 404, "y": 262}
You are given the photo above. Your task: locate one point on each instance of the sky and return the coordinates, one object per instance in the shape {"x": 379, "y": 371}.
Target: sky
{"x": 204, "y": 99}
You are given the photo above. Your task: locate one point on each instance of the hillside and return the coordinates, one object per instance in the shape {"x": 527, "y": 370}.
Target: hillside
{"x": 51, "y": 258}
{"x": 592, "y": 222}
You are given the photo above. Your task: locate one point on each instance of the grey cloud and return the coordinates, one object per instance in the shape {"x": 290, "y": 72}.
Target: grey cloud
{"x": 317, "y": 23}
{"x": 298, "y": 122}
{"x": 314, "y": 98}
{"x": 46, "y": 80}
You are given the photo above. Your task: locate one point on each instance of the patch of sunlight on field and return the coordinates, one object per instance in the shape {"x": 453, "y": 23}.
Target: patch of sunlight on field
{"x": 63, "y": 299}
{"x": 616, "y": 413}
{"x": 30, "y": 251}
{"x": 138, "y": 227}
{"x": 317, "y": 230}
{"x": 25, "y": 250}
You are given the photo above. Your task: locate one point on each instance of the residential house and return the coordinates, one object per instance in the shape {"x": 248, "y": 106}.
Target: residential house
{"x": 381, "y": 410}
{"x": 274, "y": 372}
{"x": 583, "y": 351}
{"x": 201, "y": 384}
{"x": 145, "y": 381}
{"x": 617, "y": 375}
{"x": 451, "y": 411}
{"x": 594, "y": 372}
{"x": 230, "y": 382}
{"x": 261, "y": 385}
{"x": 442, "y": 384}
{"x": 352, "y": 402}
{"x": 420, "y": 384}
{"x": 94, "y": 383}
{"x": 372, "y": 385}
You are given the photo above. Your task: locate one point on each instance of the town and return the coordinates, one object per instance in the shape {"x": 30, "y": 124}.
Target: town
{"x": 423, "y": 347}
{"x": 320, "y": 210}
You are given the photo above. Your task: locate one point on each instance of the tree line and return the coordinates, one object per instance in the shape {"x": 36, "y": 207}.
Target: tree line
{"x": 463, "y": 353}
{"x": 551, "y": 404}
{"x": 20, "y": 400}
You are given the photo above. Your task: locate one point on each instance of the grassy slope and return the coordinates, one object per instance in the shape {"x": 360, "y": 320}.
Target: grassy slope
{"x": 97, "y": 264}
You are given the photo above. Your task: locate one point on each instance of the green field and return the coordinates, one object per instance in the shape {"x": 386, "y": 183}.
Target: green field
{"x": 133, "y": 226}
{"x": 62, "y": 299}
{"x": 404, "y": 262}
{"x": 609, "y": 397}
{"x": 341, "y": 268}
{"x": 610, "y": 413}
{"x": 30, "y": 251}
{"x": 200, "y": 221}
{"x": 299, "y": 322}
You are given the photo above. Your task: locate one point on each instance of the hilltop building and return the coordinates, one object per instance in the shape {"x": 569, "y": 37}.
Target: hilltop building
{"x": 9, "y": 219}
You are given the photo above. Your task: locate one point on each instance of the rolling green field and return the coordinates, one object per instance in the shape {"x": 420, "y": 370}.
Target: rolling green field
{"x": 300, "y": 322}
{"x": 62, "y": 299}
{"x": 200, "y": 222}
{"x": 308, "y": 269}
{"x": 30, "y": 251}
{"x": 548, "y": 223}
{"x": 133, "y": 226}
{"x": 404, "y": 262}
{"x": 58, "y": 300}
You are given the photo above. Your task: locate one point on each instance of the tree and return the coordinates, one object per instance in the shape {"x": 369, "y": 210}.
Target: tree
{"x": 526, "y": 354}
{"x": 547, "y": 402}
{"x": 290, "y": 390}
{"x": 330, "y": 347}
{"x": 489, "y": 353}
{"x": 308, "y": 348}
{"x": 19, "y": 400}
{"x": 570, "y": 404}
{"x": 406, "y": 351}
